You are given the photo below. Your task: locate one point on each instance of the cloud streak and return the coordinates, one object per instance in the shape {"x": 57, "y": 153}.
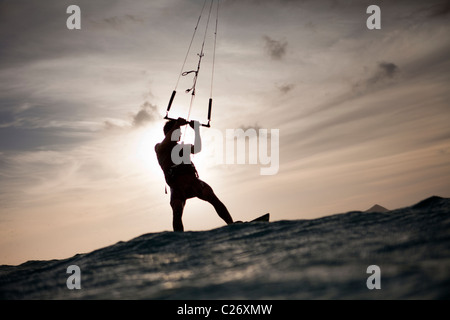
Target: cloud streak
{"x": 276, "y": 49}
{"x": 147, "y": 113}
{"x": 386, "y": 70}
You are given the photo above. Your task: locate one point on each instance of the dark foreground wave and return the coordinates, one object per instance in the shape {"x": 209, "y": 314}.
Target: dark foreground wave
{"x": 324, "y": 258}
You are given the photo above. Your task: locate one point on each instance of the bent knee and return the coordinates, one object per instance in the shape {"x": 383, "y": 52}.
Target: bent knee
{"x": 206, "y": 191}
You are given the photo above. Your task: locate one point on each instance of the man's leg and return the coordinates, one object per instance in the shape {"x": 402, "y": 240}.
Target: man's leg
{"x": 208, "y": 194}
{"x": 177, "y": 204}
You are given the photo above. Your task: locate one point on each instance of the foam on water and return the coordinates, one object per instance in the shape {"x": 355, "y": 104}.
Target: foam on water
{"x": 324, "y": 258}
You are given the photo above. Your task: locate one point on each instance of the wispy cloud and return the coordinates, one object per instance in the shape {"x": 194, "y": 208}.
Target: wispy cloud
{"x": 285, "y": 88}
{"x": 275, "y": 48}
{"x": 386, "y": 70}
{"x": 383, "y": 74}
{"x": 147, "y": 113}
{"x": 119, "y": 22}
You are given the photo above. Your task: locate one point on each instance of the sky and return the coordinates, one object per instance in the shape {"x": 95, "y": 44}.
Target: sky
{"x": 362, "y": 115}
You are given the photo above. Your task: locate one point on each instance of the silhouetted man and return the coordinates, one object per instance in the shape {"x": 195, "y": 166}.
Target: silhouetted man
{"x": 181, "y": 176}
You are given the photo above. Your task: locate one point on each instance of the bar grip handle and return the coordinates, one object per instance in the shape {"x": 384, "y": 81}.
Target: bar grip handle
{"x": 171, "y": 100}
{"x": 209, "y": 109}
{"x": 202, "y": 124}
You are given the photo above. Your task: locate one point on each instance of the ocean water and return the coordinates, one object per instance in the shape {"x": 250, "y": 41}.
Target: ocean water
{"x": 324, "y": 258}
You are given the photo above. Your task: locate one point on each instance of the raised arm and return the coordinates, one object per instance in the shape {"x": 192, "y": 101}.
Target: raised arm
{"x": 197, "y": 147}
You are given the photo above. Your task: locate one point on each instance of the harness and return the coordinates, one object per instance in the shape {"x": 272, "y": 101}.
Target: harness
{"x": 178, "y": 170}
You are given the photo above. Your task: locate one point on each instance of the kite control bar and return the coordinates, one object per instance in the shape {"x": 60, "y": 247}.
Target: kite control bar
{"x": 170, "y": 105}
{"x": 196, "y": 72}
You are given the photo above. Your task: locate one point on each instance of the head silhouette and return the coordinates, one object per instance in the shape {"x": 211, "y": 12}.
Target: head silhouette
{"x": 169, "y": 126}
